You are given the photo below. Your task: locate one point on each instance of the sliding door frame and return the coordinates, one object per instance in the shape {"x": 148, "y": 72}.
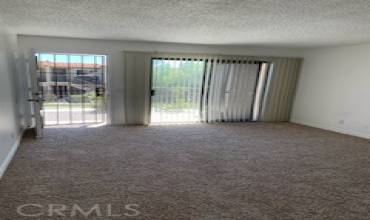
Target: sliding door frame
{"x": 151, "y": 83}
{"x": 204, "y": 95}
{"x": 204, "y": 90}
{"x": 150, "y": 89}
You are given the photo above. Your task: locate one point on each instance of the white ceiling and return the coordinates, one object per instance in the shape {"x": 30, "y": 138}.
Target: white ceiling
{"x": 291, "y": 23}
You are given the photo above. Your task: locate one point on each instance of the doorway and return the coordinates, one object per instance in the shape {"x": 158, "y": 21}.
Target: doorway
{"x": 176, "y": 90}
{"x": 195, "y": 90}
{"x": 72, "y": 87}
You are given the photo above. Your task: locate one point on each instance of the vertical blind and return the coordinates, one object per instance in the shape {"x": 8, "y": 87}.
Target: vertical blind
{"x": 228, "y": 91}
{"x": 281, "y": 85}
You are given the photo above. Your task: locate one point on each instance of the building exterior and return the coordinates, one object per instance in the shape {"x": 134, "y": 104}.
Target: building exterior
{"x": 61, "y": 80}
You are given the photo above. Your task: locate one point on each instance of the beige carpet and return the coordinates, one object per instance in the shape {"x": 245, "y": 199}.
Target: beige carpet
{"x": 228, "y": 171}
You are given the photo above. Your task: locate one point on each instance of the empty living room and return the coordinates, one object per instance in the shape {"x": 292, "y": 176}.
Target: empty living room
{"x": 185, "y": 110}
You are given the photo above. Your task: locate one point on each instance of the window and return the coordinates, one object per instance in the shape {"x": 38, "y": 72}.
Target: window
{"x": 73, "y": 88}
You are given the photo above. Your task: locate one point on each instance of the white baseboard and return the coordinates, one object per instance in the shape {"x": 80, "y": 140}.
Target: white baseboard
{"x": 332, "y": 128}
{"x": 10, "y": 155}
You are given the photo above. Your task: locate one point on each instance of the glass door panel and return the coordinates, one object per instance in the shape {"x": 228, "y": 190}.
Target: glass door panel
{"x": 73, "y": 88}
{"x": 176, "y": 90}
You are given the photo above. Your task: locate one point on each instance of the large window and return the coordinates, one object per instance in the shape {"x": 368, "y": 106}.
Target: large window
{"x": 73, "y": 88}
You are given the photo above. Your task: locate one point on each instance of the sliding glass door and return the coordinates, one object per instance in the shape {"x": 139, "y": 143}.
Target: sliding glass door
{"x": 176, "y": 90}
{"x": 185, "y": 91}
{"x": 73, "y": 88}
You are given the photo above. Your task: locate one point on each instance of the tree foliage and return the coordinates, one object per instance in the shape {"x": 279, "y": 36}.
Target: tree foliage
{"x": 177, "y": 84}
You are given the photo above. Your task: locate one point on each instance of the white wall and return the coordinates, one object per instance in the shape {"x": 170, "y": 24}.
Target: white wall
{"x": 334, "y": 90}
{"x": 9, "y": 100}
{"x": 113, "y": 49}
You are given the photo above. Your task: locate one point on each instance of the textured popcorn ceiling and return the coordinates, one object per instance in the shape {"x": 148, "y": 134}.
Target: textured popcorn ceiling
{"x": 295, "y": 23}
